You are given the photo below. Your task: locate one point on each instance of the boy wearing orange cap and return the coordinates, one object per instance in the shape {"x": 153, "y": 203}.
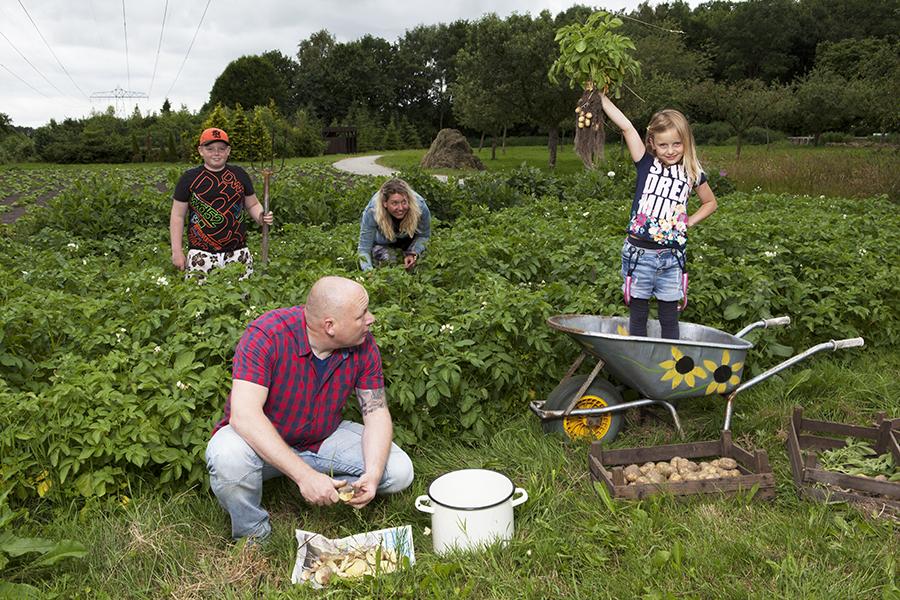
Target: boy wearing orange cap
{"x": 214, "y": 197}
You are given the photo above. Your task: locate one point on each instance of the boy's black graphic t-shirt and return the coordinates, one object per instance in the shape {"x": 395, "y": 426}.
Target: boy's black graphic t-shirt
{"x": 216, "y": 201}
{"x": 659, "y": 210}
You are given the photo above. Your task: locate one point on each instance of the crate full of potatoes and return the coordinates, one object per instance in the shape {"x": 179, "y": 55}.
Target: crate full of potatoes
{"x": 710, "y": 467}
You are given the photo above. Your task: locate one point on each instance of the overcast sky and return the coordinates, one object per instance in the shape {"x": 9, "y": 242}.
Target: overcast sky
{"x": 85, "y": 49}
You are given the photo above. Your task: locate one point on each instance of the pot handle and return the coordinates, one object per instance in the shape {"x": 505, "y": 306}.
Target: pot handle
{"x": 424, "y": 507}
{"x": 520, "y": 499}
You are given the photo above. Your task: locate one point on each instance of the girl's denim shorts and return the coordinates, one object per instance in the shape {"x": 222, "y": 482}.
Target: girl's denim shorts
{"x": 657, "y": 275}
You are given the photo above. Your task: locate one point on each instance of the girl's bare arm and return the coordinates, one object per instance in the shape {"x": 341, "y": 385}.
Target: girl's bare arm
{"x": 632, "y": 137}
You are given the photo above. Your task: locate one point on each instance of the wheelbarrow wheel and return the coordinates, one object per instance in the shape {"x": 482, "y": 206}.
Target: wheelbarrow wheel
{"x": 600, "y": 394}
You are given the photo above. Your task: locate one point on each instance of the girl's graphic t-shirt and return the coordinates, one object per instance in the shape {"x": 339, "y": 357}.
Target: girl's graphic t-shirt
{"x": 659, "y": 210}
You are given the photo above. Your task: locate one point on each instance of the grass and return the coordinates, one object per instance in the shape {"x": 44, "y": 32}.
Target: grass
{"x": 567, "y": 543}
{"x": 777, "y": 168}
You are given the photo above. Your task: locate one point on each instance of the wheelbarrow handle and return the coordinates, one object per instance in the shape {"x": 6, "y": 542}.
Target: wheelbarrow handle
{"x": 778, "y": 322}
{"x": 830, "y": 345}
{"x": 848, "y": 343}
{"x": 765, "y": 324}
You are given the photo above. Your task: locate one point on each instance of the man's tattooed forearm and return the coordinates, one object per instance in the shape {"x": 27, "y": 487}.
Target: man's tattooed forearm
{"x": 371, "y": 400}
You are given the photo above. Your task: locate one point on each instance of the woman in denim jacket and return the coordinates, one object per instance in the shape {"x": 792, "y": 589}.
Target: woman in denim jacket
{"x": 395, "y": 221}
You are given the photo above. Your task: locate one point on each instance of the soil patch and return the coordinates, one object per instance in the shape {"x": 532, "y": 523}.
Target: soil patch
{"x": 13, "y": 215}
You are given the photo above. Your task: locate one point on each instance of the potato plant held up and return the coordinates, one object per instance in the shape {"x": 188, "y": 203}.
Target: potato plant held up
{"x": 596, "y": 59}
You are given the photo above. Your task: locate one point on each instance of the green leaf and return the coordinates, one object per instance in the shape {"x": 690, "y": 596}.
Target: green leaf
{"x": 62, "y": 550}
{"x": 17, "y": 546}
{"x": 605, "y": 497}
{"x": 18, "y": 590}
{"x": 733, "y": 311}
{"x": 184, "y": 360}
{"x": 581, "y": 46}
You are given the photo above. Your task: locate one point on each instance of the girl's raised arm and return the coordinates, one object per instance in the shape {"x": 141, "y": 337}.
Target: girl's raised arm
{"x": 632, "y": 137}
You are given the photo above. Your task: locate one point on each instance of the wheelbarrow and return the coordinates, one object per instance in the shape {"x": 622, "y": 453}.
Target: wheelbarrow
{"x": 701, "y": 362}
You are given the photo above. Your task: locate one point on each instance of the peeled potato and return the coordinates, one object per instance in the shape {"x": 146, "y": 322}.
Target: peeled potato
{"x": 346, "y": 493}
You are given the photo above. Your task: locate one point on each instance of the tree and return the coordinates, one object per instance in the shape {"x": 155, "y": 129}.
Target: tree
{"x": 742, "y": 105}
{"x": 596, "y": 59}
{"x": 166, "y": 107}
{"x": 240, "y": 135}
{"x": 426, "y": 69}
{"x": 484, "y": 93}
{"x": 287, "y": 69}
{"x": 825, "y": 101}
{"x": 218, "y": 117}
{"x": 260, "y": 138}
{"x": 249, "y": 81}
{"x": 531, "y": 50}
{"x": 392, "y": 139}
{"x": 310, "y": 85}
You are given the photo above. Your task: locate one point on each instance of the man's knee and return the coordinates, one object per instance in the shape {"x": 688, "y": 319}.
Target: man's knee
{"x": 398, "y": 473}
{"x": 229, "y": 458}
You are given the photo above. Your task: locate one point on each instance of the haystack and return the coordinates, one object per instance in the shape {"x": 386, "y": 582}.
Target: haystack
{"x": 451, "y": 150}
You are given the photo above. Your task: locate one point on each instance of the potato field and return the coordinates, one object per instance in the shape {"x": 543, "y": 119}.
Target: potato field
{"x": 113, "y": 370}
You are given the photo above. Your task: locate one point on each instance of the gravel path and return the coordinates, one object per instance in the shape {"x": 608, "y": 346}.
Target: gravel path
{"x": 363, "y": 165}
{"x": 366, "y": 165}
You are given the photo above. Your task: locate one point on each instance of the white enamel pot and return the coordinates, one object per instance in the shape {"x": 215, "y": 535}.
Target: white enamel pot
{"x": 470, "y": 509}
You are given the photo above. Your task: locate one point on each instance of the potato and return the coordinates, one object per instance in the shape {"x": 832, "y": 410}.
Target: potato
{"x": 642, "y": 479}
{"x": 691, "y": 465}
{"x": 647, "y": 466}
{"x": 346, "y": 493}
{"x": 656, "y": 477}
{"x": 675, "y": 478}
{"x": 632, "y": 472}
{"x": 589, "y": 115}
{"x": 727, "y": 463}
{"x": 676, "y": 461}
{"x": 690, "y": 476}
{"x": 665, "y": 468}
{"x": 323, "y": 575}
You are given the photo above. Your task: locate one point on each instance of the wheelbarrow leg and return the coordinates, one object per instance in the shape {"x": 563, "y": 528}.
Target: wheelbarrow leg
{"x": 575, "y": 365}
{"x": 674, "y": 414}
{"x": 587, "y": 383}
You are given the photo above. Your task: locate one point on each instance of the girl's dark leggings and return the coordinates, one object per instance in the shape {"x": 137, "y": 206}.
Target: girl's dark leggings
{"x": 639, "y": 311}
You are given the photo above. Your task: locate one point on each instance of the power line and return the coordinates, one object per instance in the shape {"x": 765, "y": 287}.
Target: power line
{"x": 188, "y": 53}
{"x": 25, "y": 82}
{"x": 158, "y": 48}
{"x": 31, "y": 65}
{"x": 51, "y": 49}
{"x": 125, "y": 29}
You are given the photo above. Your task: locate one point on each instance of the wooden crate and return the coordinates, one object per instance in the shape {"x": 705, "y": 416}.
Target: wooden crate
{"x": 607, "y": 467}
{"x": 806, "y": 437}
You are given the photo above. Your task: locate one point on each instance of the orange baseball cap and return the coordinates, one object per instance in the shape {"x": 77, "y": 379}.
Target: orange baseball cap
{"x": 213, "y": 134}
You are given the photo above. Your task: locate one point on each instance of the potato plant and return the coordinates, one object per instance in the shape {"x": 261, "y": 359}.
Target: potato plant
{"x": 596, "y": 60}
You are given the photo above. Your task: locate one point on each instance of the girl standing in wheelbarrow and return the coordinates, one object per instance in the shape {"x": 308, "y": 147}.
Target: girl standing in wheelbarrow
{"x": 653, "y": 256}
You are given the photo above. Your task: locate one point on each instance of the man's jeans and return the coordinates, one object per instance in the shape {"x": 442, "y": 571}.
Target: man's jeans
{"x": 236, "y": 473}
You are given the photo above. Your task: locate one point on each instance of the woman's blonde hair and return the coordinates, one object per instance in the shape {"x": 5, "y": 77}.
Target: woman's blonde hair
{"x": 410, "y": 222}
{"x": 668, "y": 119}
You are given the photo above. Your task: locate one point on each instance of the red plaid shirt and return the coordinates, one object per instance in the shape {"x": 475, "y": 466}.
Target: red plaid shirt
{"x": 274, "y": 352}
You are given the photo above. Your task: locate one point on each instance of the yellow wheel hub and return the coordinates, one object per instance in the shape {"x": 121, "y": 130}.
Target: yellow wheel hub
{"x": 594, "y": 427}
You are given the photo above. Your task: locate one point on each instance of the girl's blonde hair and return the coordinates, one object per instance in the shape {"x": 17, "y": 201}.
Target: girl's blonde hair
{"x": 668, "y": 119}
{"x": 410, "y": 222}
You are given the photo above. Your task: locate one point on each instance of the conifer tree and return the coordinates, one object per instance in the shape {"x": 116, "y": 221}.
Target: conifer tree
{"x": 240, "y": 135}
{"x": 392, "y": 139}
{"x": 261, "y": 139}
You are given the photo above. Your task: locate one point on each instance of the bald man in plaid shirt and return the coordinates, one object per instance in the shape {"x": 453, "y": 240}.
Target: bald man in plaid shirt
{"x": 292, "y": 373}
